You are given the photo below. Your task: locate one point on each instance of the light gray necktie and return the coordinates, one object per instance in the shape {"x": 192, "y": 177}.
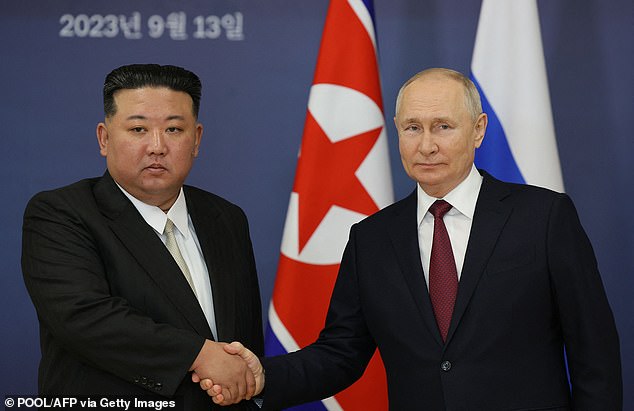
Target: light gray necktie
{"x": 172, "y": 246}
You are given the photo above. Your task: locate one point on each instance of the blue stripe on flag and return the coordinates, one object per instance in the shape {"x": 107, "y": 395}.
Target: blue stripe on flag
{"x": 272, "y": 346}
{"x": 369, "y": 4}
{"x": 494, "y": 155}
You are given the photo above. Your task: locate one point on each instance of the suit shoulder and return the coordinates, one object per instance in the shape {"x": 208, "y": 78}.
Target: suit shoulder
{"x": 198, "y": 194}
{"x": 386, "y": 215}
{"x": 532, "y": 201}
{"x": 199, "y": 197}
{"x": 77, "y": 190}
{"x": 522, "y": 192}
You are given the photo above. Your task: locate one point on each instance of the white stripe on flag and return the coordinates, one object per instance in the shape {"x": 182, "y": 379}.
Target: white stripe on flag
{"x": 364, "y": 16}
{"x": 283, "y": 336}
{"x": 508, "y": 63}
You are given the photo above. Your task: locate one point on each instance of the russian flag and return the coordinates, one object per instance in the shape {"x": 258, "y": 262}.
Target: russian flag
{"x": 342, "y": 176}
{"x": 509, "y": 70}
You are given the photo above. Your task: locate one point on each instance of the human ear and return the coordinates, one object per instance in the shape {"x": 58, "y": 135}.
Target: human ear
{"x": 480, "y": 128}
{"x": 102, "y": 139}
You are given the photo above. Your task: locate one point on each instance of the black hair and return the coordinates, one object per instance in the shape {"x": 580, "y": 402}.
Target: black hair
{"x": 136, "y": 76}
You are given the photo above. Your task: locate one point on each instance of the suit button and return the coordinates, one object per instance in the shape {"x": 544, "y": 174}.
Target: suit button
{"x": 158, "y": 386}
{"x": 445, "y": 366}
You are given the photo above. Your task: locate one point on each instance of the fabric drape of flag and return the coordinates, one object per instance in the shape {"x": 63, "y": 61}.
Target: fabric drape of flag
{"x": 342, "y": 176}
{"x": 509, "y": 70}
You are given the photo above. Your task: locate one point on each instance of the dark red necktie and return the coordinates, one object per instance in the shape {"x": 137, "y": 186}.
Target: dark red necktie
{"x": 443, "y": 277}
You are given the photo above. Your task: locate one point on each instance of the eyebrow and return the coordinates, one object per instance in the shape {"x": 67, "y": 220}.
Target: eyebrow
{"x": 141, "y": 117}
{"x": 136, "y": 117}
{"x": 443, "y": 119}
{"x": 433, "y": 119}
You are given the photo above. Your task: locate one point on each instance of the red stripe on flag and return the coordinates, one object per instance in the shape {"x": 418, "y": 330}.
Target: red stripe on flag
{"x": 370, "y": 392}
{"x": 301, "y": 296}
{"x": 326, "y": 176}
{"x": 347, "y": 56}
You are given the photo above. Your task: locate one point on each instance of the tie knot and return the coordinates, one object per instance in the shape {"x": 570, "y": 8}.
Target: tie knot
{"x": 439, "y": 208}
{"x": 169, "y": 227}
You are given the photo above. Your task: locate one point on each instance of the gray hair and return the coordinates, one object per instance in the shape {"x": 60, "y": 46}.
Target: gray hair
{"x": 472, "y": 97}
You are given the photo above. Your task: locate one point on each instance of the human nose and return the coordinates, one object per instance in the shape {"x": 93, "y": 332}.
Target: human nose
{"x": 157, "y": 144}
{"x": 427, "y": 144}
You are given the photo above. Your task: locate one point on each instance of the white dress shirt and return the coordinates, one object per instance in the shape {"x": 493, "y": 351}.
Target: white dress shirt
{"x": 188, "y": 245}
{"x": 458, "y": 220}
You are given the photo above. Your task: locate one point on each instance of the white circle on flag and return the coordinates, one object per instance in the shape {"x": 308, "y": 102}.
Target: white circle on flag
{"x": 342, "y": 113}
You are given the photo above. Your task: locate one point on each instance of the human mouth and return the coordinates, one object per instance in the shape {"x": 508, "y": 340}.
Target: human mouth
{"x": 155, "y": 167}
{"x": 428, "y": 165}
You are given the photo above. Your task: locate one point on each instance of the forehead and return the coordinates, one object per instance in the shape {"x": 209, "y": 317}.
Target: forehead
{"x": 153, "y": 99}
{"x": 433, "y": 94}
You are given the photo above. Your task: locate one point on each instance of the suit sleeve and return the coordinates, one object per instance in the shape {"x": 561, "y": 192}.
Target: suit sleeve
{"x": 590, "y": 335}
{"x": 253, "y": 326}
{"x": 338, "y": 357}
{"x": 67, "y": 281}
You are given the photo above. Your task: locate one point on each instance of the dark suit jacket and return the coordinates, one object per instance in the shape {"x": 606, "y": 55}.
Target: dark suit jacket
{"x": 116, "y": 314}
{"x": 529, "y": 286}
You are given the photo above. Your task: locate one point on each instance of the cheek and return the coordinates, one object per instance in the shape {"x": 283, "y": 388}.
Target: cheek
{"x": 461, "y": 155}
{"x": 406, "y": 147}
{"x": 130, "y": 158}
{"x": 131, "y": 152}
{"x": 456, "y": 148}
{"x": 184, "y": 154}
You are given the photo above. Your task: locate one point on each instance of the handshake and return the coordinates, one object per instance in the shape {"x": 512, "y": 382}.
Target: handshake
{"x": 229, "y": 373}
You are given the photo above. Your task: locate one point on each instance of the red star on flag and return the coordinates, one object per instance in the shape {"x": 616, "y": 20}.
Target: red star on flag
{"x": 343, "y": 175}
{"x": 326, "y": 176}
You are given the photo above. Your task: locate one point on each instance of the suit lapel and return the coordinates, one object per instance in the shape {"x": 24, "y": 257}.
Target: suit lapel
{"x": 208, "y": 224}
{"x": 489, "y": 219}
{"x": 404, "y": 236}
{"x": 147, "y": 248}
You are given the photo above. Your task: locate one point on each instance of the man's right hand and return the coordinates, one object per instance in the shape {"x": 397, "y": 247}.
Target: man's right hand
{"x": 220, "y": 393}
{"x": 227, "y": 370}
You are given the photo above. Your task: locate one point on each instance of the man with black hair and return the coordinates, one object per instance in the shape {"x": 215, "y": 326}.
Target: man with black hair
{"x": 136, "y": 277}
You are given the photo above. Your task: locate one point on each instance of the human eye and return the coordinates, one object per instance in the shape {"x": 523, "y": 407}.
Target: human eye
{"x": 173, "y": 130}
{"x": 443, "y": 126}
{"x": 412, "y": 128}
{"x": 137, "y": 129}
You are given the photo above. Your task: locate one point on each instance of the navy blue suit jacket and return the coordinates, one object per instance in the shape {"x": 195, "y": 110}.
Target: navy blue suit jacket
{"x": 529, "y": 286}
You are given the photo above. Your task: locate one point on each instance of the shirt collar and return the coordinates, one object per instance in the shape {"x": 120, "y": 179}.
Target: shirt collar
{"x": 157, "y": 219}
{"x": 463, "y": 198}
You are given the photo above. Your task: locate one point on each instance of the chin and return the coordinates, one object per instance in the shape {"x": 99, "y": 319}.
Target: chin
{"x": 429, "y": 179}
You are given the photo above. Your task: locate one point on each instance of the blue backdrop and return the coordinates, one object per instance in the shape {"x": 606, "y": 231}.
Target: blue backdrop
{"x": 256, "y": 60}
